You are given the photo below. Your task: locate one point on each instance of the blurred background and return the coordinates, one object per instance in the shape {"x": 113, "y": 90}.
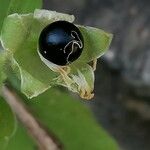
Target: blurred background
{"x": 122, "y": 87}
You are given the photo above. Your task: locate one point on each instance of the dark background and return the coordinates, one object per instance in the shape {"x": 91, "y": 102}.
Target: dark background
{"x": 122, "y": 87}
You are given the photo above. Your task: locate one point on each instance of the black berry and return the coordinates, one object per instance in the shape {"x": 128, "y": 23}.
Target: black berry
{"x": 61, "y": 43}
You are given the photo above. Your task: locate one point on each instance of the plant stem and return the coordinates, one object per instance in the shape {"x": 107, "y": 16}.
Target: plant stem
{"x": 39, "y": 134}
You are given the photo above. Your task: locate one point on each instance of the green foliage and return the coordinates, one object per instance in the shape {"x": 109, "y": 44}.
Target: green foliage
{"x": 21, "y": 141}
{"x": 2, "y": 62}
{"x": 96, "y": 42}
{"x": 17, "y": 6}
{"x": 69, "y": 120}
{"x": 20, "y": 63}
{"x": 7, "y": 123}
{"x": 7, "y": 120}
{"x": 26, "y": 30}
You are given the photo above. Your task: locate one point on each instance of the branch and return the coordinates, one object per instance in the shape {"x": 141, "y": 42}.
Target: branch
{"x": 40, "y": 135}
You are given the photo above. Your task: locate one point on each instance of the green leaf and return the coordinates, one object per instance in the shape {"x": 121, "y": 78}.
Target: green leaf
{"x": 7, "y": 123}
{"x": 35, "y": 76}
{"x": 21, "y": 140}
{"x": 69, "y": 120}
{"x": 17, "y": 6}
{"x": 2, "y": 64}
{"x": 3, "y": 143}
{"x": 96, "y": 43}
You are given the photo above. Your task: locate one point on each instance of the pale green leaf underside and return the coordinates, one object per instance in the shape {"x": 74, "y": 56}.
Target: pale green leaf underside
{"x": 96, "y": 43}
{"x": 35, "y": 76}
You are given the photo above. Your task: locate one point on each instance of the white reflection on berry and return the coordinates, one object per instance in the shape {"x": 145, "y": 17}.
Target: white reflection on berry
{"x": 76, "y": 41}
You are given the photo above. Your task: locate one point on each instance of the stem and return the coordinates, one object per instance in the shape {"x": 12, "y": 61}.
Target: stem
{"x": 40, "y": 135}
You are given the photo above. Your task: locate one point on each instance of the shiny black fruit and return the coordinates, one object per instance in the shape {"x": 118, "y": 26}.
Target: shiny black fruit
{"x": 61, "y": 43}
